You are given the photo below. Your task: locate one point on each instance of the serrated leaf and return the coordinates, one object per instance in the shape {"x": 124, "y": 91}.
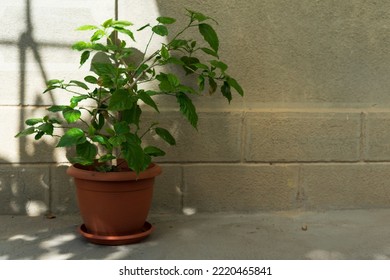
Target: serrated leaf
{"x": 121, "y": 127}
{"x": 165, "y": 135}
{"x": 71, "y": 115}
{"x": 86, "y": 150}
{"x": 166, "y": 20}
{"x": 154, "y": 151}
{"x": 72, "y": 137}
{"x": 147, "y": 100}
{"x": 187, "y": 108}
{"x": 103, "y": 69}
{"x": 135, "y": 156}
{"x": 121, "y": 100}
{"x": 132, "y": 116}
{"x": 160, "y": 30}
{"x": 209, "y": 35}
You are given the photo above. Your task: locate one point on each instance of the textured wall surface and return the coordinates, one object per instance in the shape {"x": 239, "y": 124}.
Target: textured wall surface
{"x": 311, "y": 133}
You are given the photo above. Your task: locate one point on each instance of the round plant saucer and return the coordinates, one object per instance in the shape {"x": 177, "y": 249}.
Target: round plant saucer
{"x": 146, "y": 230}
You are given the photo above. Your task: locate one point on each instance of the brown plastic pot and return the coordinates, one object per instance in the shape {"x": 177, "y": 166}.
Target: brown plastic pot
{"x": 114, "y": 203}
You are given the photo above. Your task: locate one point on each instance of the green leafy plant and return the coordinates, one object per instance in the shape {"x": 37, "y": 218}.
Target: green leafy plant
{"x": 118, "y": 81}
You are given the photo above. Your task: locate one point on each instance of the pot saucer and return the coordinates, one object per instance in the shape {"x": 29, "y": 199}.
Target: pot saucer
{"x": 117, "y": 240}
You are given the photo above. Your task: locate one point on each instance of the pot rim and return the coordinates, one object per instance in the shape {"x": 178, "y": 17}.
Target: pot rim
{"x": 152, "y": 171}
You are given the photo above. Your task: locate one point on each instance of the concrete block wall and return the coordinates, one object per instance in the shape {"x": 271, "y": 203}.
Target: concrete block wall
{"x": 312, "y": 132}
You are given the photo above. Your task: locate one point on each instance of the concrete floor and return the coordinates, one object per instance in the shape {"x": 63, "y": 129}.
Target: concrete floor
{"x": 348, "y": 234}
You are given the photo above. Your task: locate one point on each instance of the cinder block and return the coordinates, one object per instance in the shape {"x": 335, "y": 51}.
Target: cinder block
{"x": 346, "y": 186}
{"x": 239, "y": 188}
{"x": 63, "y": 192}
{"x": 297, "y": 137}
{"x": 24, "y": 190}
{"x": 377, "y": 135}
{"x": 168, "y": 193}
{"x": 218, "y": 138}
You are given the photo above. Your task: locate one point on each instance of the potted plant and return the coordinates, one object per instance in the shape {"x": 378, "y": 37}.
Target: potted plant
{"x": 112, "y": 166}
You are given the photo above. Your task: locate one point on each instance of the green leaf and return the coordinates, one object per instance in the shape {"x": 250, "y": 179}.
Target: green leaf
{"x": 106, "y": 157}
{"x": 225, "y": 89}
{"x": 127, "y": 32}
{"x": 210, "y": 52}
{"x": 164, "y": 52}
{"x": 97, "y": 35}
{"x": 54, "y": 82}
{"x": 197, "y": 16}
{"x": 165, "y": 135}
{"x": 187, "y": 108}
{"x": 201, "y": 82}
{"x": 71, "y": 115}
{"x": 74, "y": 101}
{"x": 33, "y": 121}
{"x": 135, "y": 156}
{"x": 47, "y": 128}
{"x": 91, "y": 79}
{"x": 99, "y": 47}
{"x": 87, "y": 27}
{"x": 209, "y": 35}
{"x": 143, "y": 27}
{"x": 133, "y": 115}
{"x": 84, "y": 57}
{"x": 166, "y": 20}
{"x": 154, "y": 151}
{"x": 234, "y": 84}
{"x": 39, "y": 135}
{"x": 147, "y": 99}
{"x": 178, "y": 43}
{"x": 219, "y": 64}
{"x": 86, "y": 150}
{"x": 107, "y": 23}
{"x": 58, "y": 108}
{"x": 81, "y": 45}
{"x": 79, "y": 84}
{"x": 213, "y": 85}
{"x": 104, "y": 69}
{"x": 160, "y": 30}
{"x": 72, "y": 137}
{"x": 121, "y": 23}
{"x": 121, "y": 100}
{"x": 100, "y": 139}
{"x": 26, "y": 132}
{"x": 121, "y": 127}
{"x": 190, "y": 64}
{"x": 117, "y": 140}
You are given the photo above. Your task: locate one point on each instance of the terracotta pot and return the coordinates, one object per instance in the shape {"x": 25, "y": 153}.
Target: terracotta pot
{"x": 114, "y": 203}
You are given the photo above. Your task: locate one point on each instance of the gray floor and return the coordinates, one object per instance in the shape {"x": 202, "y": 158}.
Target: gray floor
{"x": 352, "y": 234}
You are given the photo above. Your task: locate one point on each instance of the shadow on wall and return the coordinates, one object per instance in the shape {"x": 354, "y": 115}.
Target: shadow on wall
{"x": 27, "y": 189}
